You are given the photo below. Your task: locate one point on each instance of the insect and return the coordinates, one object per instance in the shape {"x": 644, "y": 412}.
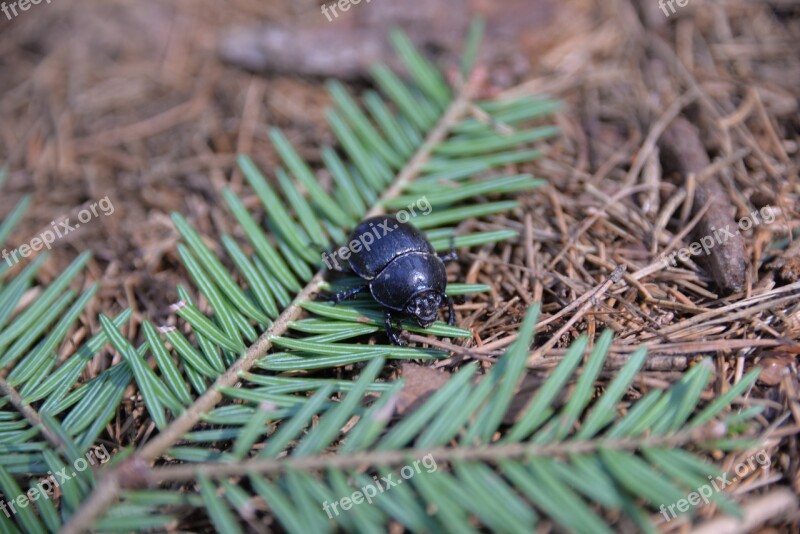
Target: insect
{"x": 401, "y": 270}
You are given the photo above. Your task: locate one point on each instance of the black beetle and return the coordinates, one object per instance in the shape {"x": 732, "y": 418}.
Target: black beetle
{"x": 402, "y": 271}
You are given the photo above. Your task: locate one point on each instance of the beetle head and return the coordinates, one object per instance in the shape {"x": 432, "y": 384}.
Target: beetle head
{"x": 424, "y": 307}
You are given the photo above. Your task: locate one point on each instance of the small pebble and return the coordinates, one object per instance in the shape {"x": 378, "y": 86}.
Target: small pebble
{"x": 773, "y": 370}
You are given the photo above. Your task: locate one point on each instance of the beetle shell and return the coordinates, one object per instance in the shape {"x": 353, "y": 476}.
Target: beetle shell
{"x": 391, "y": 240}
{"x": 407, "y": 276}
{"x": 402, "y": 271}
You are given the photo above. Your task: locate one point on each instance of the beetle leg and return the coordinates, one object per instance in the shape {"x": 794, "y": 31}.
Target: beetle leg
{"x": 452, "y": 255}
{"x": 394, "y": 337}
{"x": 349, "y": 293}
{"x": 449, "y": 257}
{"x": 451, "y": 317}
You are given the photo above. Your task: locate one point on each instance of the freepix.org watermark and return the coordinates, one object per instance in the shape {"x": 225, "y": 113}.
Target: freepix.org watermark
{"x": 60, "y": 228}
{"x": 719, "y": 236}
{"x": 716, "y": 484}
{"x": 10, "y": 9}
{"x": 376, "y": 232}
{"x": 46, "y": 486}
{"x": 671, "y": 3}
{"x": 370, "y": 491}
{"x": 340, "y": 5}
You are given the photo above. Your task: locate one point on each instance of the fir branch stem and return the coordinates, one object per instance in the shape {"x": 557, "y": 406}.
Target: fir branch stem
{"x": 31, "y": 415}
{"x": 105, "y": 493}
{"x": 491, "y": 453}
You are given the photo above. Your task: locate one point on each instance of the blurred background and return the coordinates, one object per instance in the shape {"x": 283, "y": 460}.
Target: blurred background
{"x": 149, "y": 101}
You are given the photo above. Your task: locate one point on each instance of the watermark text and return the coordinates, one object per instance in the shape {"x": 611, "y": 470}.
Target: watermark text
{"x": 365, "y": 240}
{"x": 58, "y": 229}
{"x": 10, "y": 9}
{"x": 385, "y": 483}
{"x": 715, "y": 485}
{"x": 719, "y": 236}
{"x": 339, "y": 6}
{"x": 46, "y": 487}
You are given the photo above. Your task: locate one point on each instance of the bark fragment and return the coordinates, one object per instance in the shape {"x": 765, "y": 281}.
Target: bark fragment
{"x": 682, "y": 151}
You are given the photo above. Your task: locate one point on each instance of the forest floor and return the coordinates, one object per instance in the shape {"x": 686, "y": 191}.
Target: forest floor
{"x": 674, "y": 126}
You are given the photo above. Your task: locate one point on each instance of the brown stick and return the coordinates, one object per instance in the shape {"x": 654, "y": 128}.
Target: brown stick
{"x": 31, "y": 415}
{"x": 590, "y": 299}
{"x": 772, "y": 506}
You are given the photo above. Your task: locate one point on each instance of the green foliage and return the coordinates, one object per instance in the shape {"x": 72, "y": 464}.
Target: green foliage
{"x": 258, "y": 360}
{"x": 547, "y": 465}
